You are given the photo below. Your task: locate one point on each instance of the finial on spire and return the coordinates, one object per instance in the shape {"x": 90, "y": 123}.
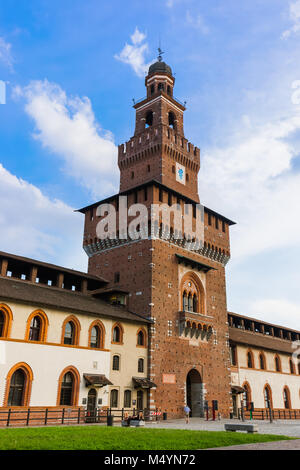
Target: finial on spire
{"x": 160, "y": 53}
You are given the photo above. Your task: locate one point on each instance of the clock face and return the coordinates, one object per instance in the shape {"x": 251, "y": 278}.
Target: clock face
{"x": 180, "y": 173}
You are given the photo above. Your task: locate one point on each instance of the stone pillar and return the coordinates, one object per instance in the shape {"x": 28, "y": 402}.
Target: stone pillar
{"x": 4, "y": 265}
{"x": 60, "y": 280}
{"x": 84, "y": 284}
{"x": 33, "y": 273}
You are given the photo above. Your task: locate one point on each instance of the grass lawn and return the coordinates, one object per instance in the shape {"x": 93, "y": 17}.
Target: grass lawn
{"x": 115, "y": 438}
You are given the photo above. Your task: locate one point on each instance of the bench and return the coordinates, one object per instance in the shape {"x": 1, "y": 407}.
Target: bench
{"x": 137, "y": 423}
{"x": 133, "y": 422}
{"x": 241, "y": 427}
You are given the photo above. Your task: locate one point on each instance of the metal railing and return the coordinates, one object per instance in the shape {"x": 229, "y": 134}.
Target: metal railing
{"x": 264, "y": 414}
{"x": 48, "y": 416}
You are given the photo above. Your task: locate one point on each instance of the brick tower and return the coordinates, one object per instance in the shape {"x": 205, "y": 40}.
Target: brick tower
{"x": 181, "y": 290}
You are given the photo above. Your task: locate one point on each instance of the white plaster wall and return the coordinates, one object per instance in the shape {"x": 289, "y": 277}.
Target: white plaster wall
{"x": 257, "y": 378}
{"x": 47, "y": 363}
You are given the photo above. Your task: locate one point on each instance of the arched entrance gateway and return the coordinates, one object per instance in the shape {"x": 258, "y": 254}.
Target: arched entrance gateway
{"x": 194, "y": 393}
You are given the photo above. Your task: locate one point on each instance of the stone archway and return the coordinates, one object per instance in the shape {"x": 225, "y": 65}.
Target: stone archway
{"x": 194, "y": 393}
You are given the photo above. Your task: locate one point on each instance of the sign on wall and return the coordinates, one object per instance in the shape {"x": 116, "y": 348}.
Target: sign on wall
{"x": 169, "y": 378}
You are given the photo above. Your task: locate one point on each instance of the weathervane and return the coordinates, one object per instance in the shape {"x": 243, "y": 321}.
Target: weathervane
{"x": 160, "y": 53}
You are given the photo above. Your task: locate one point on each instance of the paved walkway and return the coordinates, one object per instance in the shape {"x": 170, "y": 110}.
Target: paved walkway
{"x": 280, "y": 427}
{"x": 278, "y": 445}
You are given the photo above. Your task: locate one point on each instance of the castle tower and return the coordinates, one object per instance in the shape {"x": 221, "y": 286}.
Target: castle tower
{"x": 183, "y": 291}
{"x": 159, "y": 150}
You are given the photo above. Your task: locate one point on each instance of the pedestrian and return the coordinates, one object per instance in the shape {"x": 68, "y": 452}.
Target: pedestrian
{"x": 187, "y": 411}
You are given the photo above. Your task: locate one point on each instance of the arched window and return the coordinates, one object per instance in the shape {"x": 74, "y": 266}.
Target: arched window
{"x": 96, "y": 335}
{"x": 286, "y": 398}
{"x": 152, "y": 89}
{"x": 5, "y": 321}
{"x": 193, "y": 297}
{"x": 68, "y": 387}
{"x": 2, "y": 322}
{"x": 114, "y": 395}
{"x": 117, "y": 334}
{"x": 127, "y": 399}
{"x": 172, "y": 120}
{"x": 116, "y": 363}
{"x": 250, "y": 361}
{"x": 141, "y": 338}
{"x": 17, "y": 388}
{"x": 268, "y": 396}
{"x": 66, "y": 391}
{"x": 262, "y": 361}
{"x": 292, "y": 368}
{"x": 277, "y": 364}
{"x": 18, "y": 385}
{"x": 141, "y": 365}
{"x": 247, "y": 395}
{"x": 161, "y": 87}
{"x": 70, "y": 331}
{"x": 35, "y": 329}
{"x": 149, "y": 119}
{"x": 37, "y": 326}
{"x": 169, "y": 91}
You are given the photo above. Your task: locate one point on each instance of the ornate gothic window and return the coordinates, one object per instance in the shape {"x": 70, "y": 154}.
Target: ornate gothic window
{"x": 192, "y": 294}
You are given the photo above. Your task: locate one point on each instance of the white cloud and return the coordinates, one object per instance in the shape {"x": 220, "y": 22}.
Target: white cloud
{"x": 277, "y": 311}
{"x": 295, "y": 18}
{"x": 251, "y": 181}
{"x": 197, "y": 22}
{"x": 68, "y": 128}
{"x": 35, "y": 226}
{"x": 134, "y": 54}
{"x": 5, "y": 53}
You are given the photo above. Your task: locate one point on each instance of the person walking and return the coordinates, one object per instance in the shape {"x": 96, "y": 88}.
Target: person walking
{"x": 187, "y": 411}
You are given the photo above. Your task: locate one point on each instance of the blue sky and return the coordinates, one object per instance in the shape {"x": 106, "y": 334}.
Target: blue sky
{"x": 71, "y": 70}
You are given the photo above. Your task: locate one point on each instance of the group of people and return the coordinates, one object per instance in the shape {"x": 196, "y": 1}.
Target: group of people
{"x": 127, "y": 418}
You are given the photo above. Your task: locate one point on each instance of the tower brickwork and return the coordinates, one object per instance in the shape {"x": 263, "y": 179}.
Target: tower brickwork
{"x": 182, "y": 291}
